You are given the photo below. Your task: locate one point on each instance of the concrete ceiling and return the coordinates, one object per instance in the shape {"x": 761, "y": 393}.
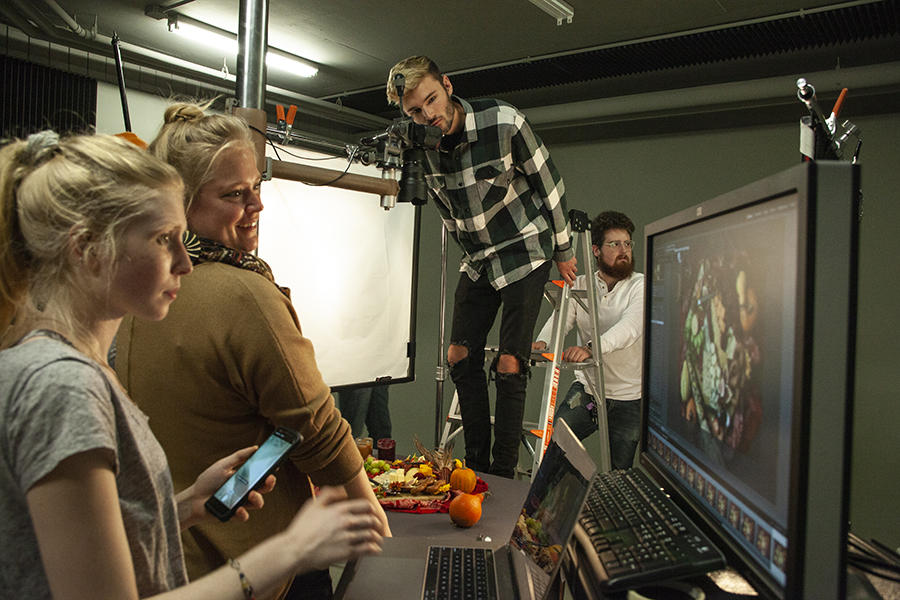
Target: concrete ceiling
{"x": 355, "y": 42}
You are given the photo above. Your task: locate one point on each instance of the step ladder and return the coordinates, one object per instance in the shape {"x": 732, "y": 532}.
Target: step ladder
{"x": 536, "y": 436}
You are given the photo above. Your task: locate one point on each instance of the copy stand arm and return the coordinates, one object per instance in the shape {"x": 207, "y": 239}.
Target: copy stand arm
{"x": 280, "y": 169}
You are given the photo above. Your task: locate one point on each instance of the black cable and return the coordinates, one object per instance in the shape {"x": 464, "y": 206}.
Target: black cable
{"x": 257, "y": 131}
{"x": 873, "y": 561}
{"x": 327, "y": 183}
{"x": 873, "y": 558}
{"x": 875, "y": 572}
{"x": 275, "y": 147}
{"x": 349, "y": 163}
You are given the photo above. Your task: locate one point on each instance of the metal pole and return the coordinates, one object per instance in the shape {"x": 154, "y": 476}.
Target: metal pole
{"x": 596, "y": 360}
{"x": 121, "y": 75}
{"x": 253, "y": 40}
{"x": 441, "y": 371}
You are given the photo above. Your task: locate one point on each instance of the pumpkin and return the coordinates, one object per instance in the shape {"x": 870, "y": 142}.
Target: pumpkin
{"x": 463, "y": 479}
{"x": 465, "y": 509}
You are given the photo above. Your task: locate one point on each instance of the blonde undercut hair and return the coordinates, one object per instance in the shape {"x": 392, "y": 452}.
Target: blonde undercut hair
{"x": 413, "y": 69}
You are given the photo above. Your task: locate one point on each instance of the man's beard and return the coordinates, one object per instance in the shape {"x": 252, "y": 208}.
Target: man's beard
{"x": 617, "y": 270}
{"x": 449, "y": 116}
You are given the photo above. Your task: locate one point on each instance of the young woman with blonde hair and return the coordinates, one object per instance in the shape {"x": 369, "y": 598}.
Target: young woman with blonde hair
{"x": 90, "y": 229}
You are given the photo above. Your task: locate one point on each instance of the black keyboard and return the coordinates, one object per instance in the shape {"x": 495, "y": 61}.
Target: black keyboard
{"x": 640, "y": 535}
{"x": 460, "y": 574}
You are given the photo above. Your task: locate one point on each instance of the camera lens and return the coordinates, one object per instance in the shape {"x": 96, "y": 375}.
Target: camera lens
{"x": 412, "y": 177}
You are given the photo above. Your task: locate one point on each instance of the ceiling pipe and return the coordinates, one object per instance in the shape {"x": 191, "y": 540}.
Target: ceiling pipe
{"x": 73, "y": 26}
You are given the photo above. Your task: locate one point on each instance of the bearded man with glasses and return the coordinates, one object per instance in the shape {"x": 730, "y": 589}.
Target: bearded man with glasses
{"x": 620, "y": 311}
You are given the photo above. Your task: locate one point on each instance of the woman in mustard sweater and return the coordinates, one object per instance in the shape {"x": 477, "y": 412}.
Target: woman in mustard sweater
{"x": 230, "y": 362}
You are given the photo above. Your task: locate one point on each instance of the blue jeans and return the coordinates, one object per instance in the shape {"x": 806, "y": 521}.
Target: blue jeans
{"x": 623, "y": 418}
{"x": 474, "y": 311}
{"x": 367, "y": 408}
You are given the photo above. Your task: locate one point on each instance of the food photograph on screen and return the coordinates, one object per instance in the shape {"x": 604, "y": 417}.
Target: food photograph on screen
{"x": 551, "y": 509}
{"x": 721, "y": 364}
{"x": 729, "y": 349}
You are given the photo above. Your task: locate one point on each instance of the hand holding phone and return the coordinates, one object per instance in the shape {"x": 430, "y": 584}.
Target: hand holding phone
{"x": 250, "y": 475}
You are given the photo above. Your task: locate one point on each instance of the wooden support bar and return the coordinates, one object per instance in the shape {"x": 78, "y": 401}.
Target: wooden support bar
{"x": 351, "y": 181}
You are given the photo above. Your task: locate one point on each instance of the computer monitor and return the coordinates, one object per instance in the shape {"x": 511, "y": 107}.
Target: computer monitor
{"x": 749, "y": 331}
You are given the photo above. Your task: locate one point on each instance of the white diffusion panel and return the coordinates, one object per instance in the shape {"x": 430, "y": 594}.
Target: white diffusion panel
{"x": 348, "y": 263}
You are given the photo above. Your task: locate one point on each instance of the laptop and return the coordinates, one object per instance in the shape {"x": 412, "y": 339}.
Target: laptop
{"x": 525, "y": 567}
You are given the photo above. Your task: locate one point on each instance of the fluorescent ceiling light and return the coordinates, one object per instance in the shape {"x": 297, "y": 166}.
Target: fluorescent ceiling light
{"x": 227, "y": 44}
{"x": 290, "y": 64}
{"x": 557, "y": 9}
{"x": 219, "y": 41}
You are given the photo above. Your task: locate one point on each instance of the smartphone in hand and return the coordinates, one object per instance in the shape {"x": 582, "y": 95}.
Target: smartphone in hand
{"x": 250, "y": 475}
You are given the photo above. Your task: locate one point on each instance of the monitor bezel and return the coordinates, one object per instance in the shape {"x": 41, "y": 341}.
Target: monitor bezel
{"x": 827, "y": 197}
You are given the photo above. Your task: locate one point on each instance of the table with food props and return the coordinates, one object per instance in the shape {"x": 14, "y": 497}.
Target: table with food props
{"x": 400, "y": 567}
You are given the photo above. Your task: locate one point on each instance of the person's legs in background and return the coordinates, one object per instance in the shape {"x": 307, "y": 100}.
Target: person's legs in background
{"x": 624, "y": 421}
{"x": 475, "y": 308}
{"x": 378, "y": 415}
{"x": 354, "y": 407}
{"x": 578, "y": 411}
{"x": 521, "y": 306}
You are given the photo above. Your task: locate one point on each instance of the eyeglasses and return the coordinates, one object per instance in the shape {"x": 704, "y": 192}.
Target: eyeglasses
{"x": 629, "y": 244}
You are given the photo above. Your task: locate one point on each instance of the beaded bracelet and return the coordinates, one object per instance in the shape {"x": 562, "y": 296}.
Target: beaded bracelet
{"x": 245, "y": 583}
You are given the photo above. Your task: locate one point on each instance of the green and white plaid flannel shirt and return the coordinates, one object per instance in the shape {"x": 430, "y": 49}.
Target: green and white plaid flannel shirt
{"x": 500, "y": 196}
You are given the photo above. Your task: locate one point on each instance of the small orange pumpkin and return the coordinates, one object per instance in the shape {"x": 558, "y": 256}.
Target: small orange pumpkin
{"x": 463, "y": 479}
{"x": 465, "y": 509}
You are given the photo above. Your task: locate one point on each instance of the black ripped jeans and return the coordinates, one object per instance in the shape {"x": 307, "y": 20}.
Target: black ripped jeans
{"x": 474, "y": 311}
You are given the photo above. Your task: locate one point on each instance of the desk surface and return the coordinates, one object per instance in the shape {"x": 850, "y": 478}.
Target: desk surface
{"x": 402, "y": 562}
{"x": 401, "y": 565}
{"x": 499, "y": 513}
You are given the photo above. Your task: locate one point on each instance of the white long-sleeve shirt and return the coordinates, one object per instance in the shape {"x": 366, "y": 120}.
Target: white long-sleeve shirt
{"x": 620, "y": 319}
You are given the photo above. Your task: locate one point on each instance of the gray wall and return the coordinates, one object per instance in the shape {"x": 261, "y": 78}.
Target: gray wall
{"x": 650, "y": 177}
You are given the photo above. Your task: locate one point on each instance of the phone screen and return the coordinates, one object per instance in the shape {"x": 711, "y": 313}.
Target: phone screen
{"x": 251, "y": 472}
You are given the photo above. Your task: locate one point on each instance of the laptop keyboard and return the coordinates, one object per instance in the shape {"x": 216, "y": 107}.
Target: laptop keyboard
{"x": 640, "y": 535}
{"x": 460, "y": 574}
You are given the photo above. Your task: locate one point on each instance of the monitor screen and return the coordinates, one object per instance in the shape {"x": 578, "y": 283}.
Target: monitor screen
{"x": 551, "y": 510}
{"x": 731, "y": 309}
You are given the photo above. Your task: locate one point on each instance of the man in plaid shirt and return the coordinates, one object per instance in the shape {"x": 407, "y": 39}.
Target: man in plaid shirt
{"x": 503, "y": 201}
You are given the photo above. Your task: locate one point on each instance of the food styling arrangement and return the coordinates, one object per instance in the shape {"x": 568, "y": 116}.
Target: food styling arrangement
{"x": 530, "y": 537}
{"x": 429, "y": 482}
{"x": 721, "y": 354}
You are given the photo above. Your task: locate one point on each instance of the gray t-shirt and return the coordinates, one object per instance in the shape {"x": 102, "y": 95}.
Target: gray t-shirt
{"x": 55, "y": 403}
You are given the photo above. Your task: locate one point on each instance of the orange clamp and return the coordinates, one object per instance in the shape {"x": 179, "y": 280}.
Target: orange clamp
{"x": 837, "y": 105}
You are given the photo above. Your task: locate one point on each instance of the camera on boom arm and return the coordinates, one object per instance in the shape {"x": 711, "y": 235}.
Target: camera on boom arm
{"x": 402, "y": 145}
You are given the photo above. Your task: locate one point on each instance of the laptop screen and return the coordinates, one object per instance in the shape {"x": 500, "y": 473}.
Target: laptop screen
{"x": 554, "y": 502}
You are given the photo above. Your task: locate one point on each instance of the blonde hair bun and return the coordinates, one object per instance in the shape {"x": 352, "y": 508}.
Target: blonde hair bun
{"x": 183, "y": 112}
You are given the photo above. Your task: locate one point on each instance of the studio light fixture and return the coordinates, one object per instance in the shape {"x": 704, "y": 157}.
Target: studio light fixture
{"x": 226, "y": 43}
{"x": 556, "y": 9}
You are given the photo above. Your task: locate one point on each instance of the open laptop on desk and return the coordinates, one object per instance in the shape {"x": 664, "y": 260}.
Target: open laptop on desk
{"x": 523, "y": 568}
